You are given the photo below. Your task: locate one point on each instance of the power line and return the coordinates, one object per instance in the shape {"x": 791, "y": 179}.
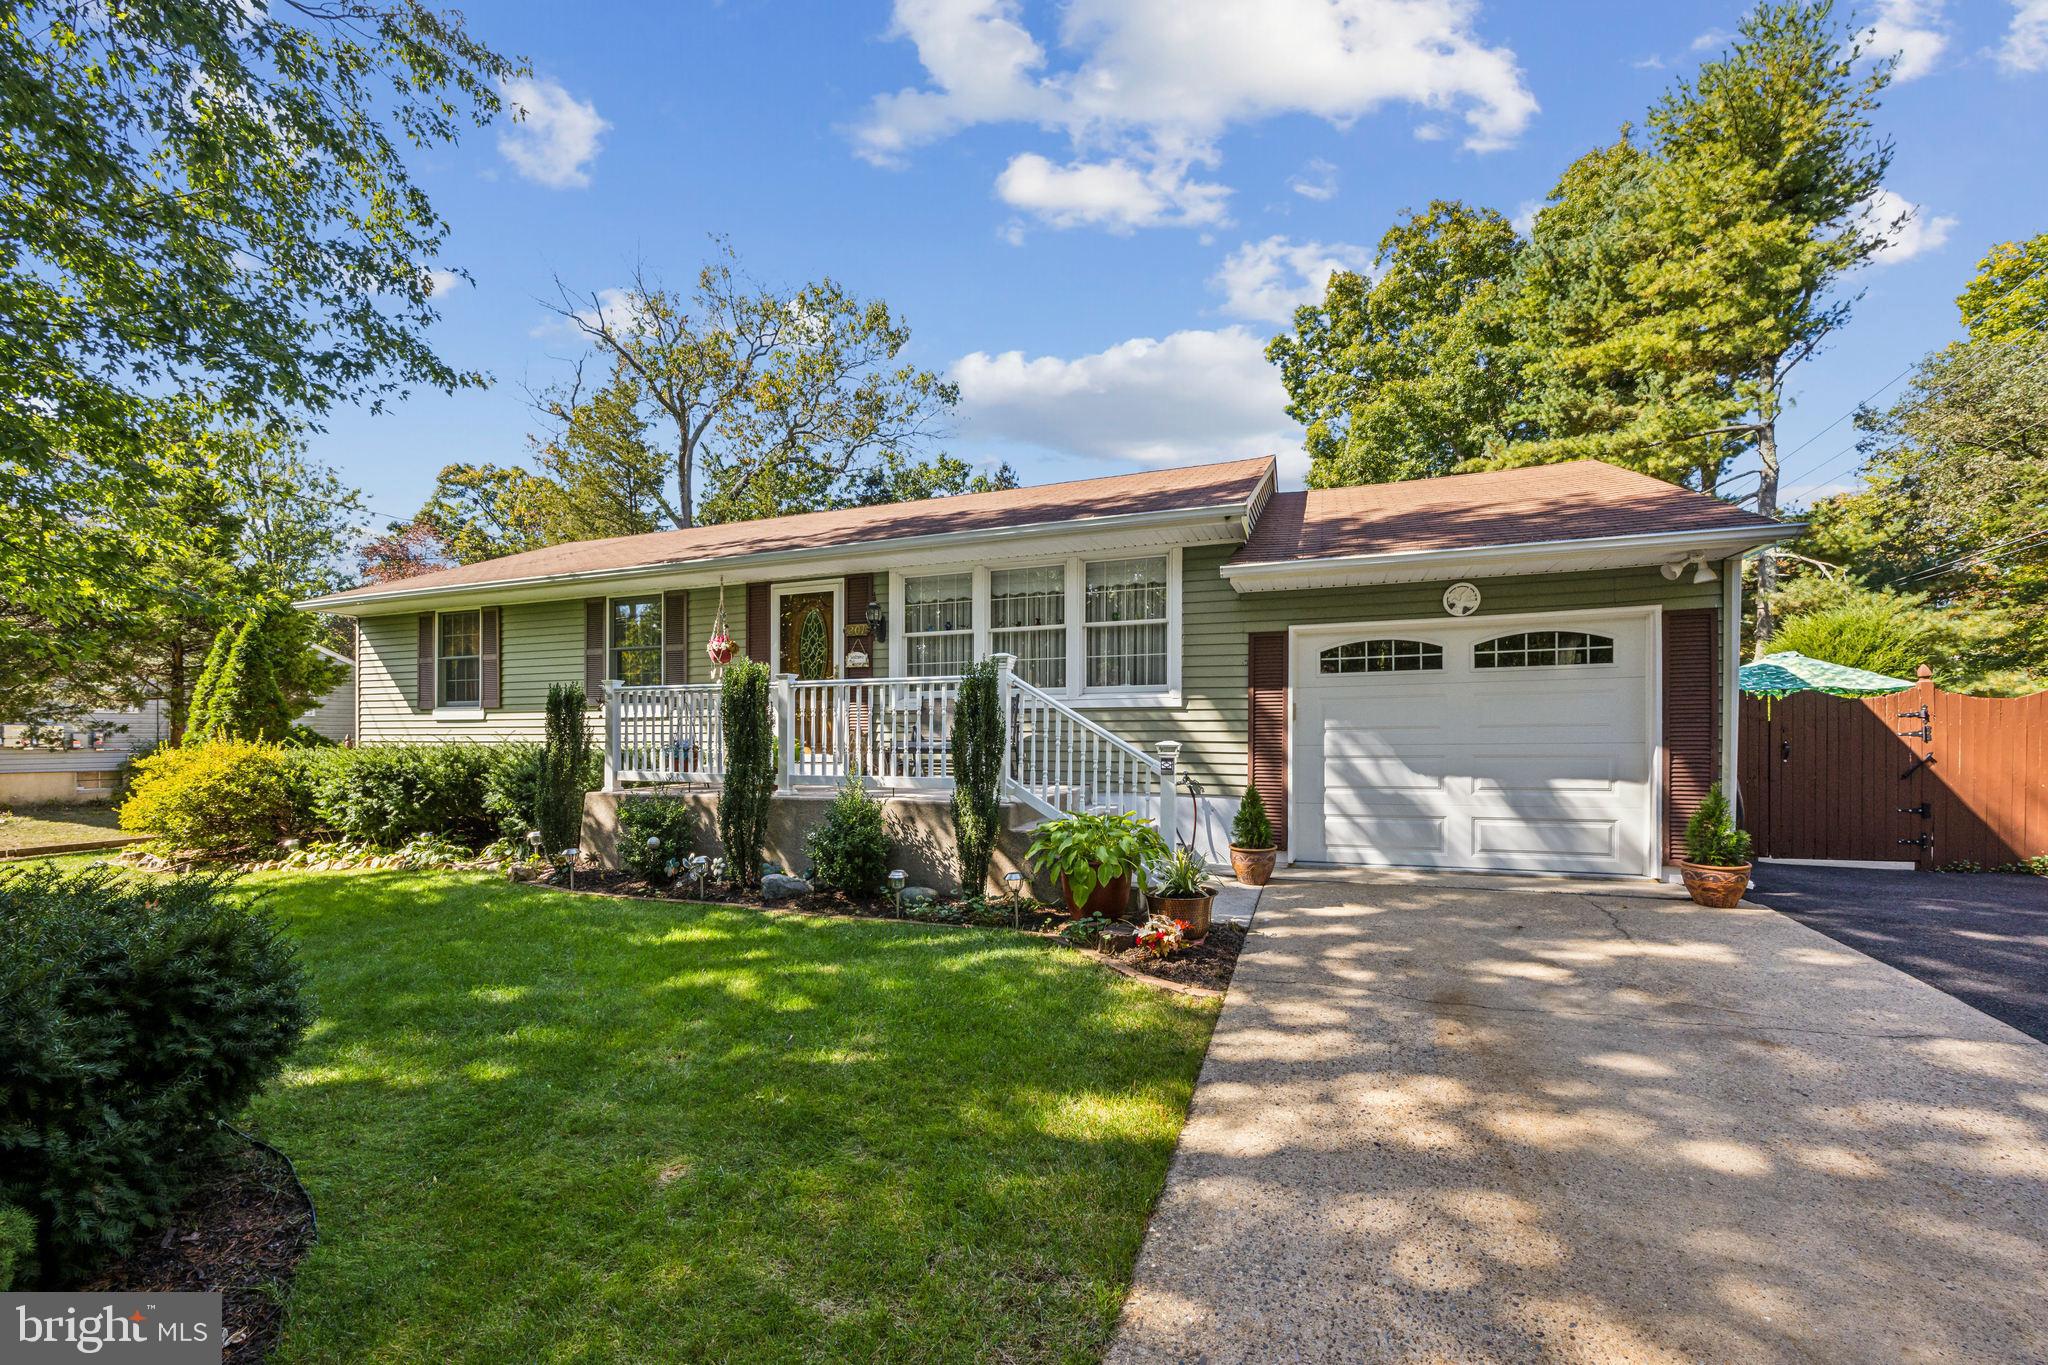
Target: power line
{"x": 2017, "y": 544}
{"x": 1786, "y": 458}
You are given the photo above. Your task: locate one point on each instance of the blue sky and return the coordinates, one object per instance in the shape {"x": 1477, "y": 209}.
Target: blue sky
{"x": 1093, "y": 214}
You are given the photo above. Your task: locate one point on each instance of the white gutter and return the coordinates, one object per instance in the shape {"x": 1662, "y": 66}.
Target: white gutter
{"x": 1732, "y": 540}
{"x": 398, "y": 592}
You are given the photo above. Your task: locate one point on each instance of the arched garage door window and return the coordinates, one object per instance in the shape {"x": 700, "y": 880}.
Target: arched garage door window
{"x": 1382, "y": 656}
{"x": 1544, "y": 649}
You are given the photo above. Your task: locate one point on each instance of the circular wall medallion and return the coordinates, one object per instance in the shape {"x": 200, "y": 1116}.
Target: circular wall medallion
{"x": 1461, "y": 599}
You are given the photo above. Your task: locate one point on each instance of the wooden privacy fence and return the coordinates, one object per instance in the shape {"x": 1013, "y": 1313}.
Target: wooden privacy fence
{"x": 1924, "y": 776}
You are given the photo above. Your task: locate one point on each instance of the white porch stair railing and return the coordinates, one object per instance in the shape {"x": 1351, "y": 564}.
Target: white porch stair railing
{"x": 897, "y": 734}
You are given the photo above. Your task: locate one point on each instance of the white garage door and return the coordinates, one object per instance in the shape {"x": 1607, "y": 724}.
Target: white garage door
{"x": 1517, "y": 747}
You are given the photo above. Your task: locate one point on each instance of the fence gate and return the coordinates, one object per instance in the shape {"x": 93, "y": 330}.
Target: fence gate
{"x": 1924, "y": 777}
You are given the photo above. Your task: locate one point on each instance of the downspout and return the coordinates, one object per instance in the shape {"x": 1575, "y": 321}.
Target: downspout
{"x": 1731, "y": 663}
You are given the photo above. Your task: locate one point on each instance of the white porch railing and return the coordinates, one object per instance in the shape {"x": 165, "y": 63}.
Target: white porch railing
{"x": 897, "y": 733}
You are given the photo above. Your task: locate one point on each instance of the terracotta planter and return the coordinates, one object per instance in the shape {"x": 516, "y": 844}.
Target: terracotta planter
{"x": 1716, "y": 887}
{"x": 1192, "y": 911}
{"x": 1253, "y": 866}
{"x": 1111, "y": 900}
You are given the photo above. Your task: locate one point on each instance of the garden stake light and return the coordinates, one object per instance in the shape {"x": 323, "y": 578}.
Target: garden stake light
{"x": 1015, "y": 882}
{"x": 896, "y": 879}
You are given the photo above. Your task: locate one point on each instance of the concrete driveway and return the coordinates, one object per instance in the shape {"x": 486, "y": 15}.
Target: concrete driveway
{"x": 1485, "y": 1119}
{"x": 1981, "y": 936}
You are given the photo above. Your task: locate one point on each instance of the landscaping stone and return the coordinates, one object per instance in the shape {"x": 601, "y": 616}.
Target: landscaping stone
{"x": 780, "y": 886}
{"x": 919, "y": 895}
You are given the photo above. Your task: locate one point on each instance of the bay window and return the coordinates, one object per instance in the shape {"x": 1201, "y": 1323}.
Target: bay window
{"x": 1028, "y": 618}
{"x": 459, "y": 658}
{"x": 938, "y": 624}
{"x": 1125, "y": 623}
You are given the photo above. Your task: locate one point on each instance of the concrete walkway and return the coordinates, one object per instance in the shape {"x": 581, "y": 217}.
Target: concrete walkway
{"x": 1489, "y": 1119}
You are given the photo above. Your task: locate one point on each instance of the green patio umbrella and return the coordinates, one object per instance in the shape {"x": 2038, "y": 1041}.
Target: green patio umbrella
{"x": 1782, "y": 674}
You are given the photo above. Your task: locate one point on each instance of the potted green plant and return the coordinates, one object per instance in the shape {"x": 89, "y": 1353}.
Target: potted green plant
{"x": 1251, "y": 841}
{"x": 1094, "y": 858}
{"x": 1184, "y": 892}
{"x": 1716, "y": 864}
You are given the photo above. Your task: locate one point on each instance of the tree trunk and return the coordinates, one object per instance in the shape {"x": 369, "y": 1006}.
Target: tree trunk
{"x": 174, "y": 684}
{"x": 1767, "y": 503}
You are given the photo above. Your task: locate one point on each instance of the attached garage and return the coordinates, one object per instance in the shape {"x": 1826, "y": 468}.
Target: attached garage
{"x": 1513, "y": 744}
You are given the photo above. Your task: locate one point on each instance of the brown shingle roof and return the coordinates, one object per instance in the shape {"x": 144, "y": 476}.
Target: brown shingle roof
{"x": 1220, "y": 486}
{"x": 1579, "y": 500}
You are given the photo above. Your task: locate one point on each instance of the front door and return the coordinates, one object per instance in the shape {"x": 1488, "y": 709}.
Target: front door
{"x": 808, "y": 652}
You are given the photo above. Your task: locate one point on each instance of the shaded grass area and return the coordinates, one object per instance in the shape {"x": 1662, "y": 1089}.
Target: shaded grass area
{"x": 23, "y": 829}
{"x": 545, "y": 1127}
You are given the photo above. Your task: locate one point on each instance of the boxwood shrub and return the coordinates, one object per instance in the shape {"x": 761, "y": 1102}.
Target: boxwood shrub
{"x": 387, "y": 794}
{"x": 667, "y": 818}
{"x": 133, "y": 1014}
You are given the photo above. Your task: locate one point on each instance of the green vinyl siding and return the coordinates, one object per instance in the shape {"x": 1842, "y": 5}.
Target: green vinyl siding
{"x": 1216, "y": 620}
{"x": 543, "y": 644}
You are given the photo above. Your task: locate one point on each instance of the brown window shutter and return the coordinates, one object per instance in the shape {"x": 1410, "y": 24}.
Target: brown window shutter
{"x": 1266, "y": 763}
{"x": 675, "y": 638}
{"x": 424, "y": 689}
{"x": 594, "y": 609}
{"x": 1692, "y": 717}
{"x": 859, "y": 588}
{"x": 758, "y": 627}
{"x": 492, "y": 665}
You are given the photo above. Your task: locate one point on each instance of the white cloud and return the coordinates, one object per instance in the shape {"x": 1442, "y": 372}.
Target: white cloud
{"x": 1906, "y": 224}
{"x": 1111, "y": 194}
{"x": 1912, "y": 31}
{"x": 1152, "y": 85}
{"x": 1192, "y": 396}
{"x": 2025, "y": 48}
{"x": 556, "y": 137}
{"x": 1268, "y": 280}
{"x": 1524, "y": 220}
{"x": 1710, "y": 40}
{"x": 1317, "y": 180}
{"x": 441, "y": 282}
{"x": 1650, "y": 63}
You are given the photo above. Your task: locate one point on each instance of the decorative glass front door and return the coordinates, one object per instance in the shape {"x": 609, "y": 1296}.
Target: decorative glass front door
{"x": 810, "y": 652}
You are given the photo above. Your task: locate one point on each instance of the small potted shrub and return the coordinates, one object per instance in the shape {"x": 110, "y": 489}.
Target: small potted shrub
{"x": 1716, "y": 863}
{"x": 1185, "y": 893}
{"x": 1251, "y": 841}
{"x": 1094, "y": 857}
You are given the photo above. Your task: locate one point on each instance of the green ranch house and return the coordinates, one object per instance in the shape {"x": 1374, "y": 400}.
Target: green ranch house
{"x": 1527, "y": 670}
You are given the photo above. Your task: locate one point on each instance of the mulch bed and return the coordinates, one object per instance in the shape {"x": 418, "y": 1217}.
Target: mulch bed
{"x": 242, "y": 1234}
{"x": 1206, "y": 965}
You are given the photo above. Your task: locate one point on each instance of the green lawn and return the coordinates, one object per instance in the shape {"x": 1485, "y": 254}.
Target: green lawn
{"x": 549, "y": 1127}
{"x": 26, "y": 828}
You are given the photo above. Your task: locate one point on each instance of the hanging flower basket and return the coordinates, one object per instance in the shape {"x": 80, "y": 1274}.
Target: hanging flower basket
{"x": 719, "y": 647}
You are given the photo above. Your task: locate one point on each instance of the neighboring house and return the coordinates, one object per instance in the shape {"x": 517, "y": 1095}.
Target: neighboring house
{"x": 1523, "y": 670}
{"x": 81, "y": 759}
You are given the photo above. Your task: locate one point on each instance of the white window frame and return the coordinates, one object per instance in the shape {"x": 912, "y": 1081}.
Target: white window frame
{"x": 611, "y": 651}
{"x": 900, "y": 633}
{"x": 1076, "y": 579}
{"x": 1066, "y": 611}
{"x": 805, "y": 587}
{"x": 441, "y": 702}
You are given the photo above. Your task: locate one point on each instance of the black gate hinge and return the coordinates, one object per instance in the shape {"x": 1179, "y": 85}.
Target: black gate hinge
{"x": 1920, "y": 841}
{"x": 1921, "y": 714}
{"x": 1923, "y": 734}
{"x": 1925, "y": 810}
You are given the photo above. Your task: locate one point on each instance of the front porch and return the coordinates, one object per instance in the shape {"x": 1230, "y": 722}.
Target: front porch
{"x": 896, "y": 734}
